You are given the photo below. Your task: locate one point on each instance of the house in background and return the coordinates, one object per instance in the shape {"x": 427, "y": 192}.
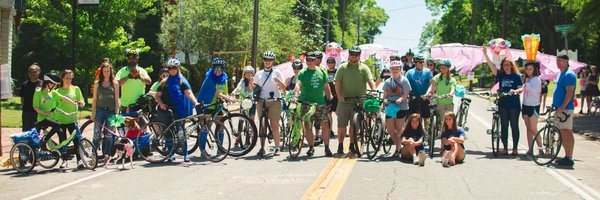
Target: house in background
{"x": 6, "y": 31}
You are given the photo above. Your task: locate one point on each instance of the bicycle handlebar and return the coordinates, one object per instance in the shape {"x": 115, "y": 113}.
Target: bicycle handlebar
{"x": 550, "y": 109}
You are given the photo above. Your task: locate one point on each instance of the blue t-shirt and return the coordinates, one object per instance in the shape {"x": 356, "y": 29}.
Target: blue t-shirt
{"x": 565, "y": 79}
{"x": 416, "y": 136}
{"x": 419, "y": 81}
{"x": 449, "y": 133}
{"x": 507, "y": 83}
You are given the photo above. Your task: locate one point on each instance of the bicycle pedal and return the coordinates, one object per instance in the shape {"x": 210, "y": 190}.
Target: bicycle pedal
{"x": 466, "y": 128}
{"x": 488, "y": 131}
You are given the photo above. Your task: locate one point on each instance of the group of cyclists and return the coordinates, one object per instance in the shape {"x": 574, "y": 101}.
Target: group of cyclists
{"x": 409, "y": 82}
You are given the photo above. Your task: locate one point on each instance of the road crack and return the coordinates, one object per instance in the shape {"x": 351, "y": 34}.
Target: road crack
{"x": 462, "y": 178}
{"x": 387, "y": 196}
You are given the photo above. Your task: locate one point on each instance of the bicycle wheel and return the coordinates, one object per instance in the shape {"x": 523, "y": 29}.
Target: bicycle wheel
{"x": 48, "y": 159}
{"x": 359, "y": 134}
{"x": 296, "y": 138}
{"x": 387, "y": 142}
{"x": 495, "y": 137}
{"x": 218, "y": 141}
{"x": 87, "y": 129}
{"x": 283, "y": 129}
{"x": 22, "y": 157}
{"x": 551, "y": 142}
{"x": 375, "y": 139}
{"x": 432, "y": 134}
{"x": 192, "y": 132}
{"x": 154, "y": 143}
{"x": 243, "y": 131}
{"x": 460, "y": 115}
{"x": 88, "y": 154}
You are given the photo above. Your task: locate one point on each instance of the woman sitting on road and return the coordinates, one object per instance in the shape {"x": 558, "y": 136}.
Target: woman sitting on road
{"x": 453, "y": 139}
{"x": 412, "y": 140}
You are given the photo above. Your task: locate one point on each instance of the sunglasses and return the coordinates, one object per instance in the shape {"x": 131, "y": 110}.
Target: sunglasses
{"x": 355, "y": 54}
{"x": 404, "y": 60}
{"x": 420, "y": 62}
{"x": 429, "y": 64}
{"x": 297, "y": 68}
{"x": 267, "y": 60}
{"x": 310, "y": 59}
{"x": 330, "y": 62}
{"x": 217, "y": 68}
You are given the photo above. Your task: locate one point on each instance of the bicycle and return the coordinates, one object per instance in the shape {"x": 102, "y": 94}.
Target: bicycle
{"x": 242, "y": 128}
{"x": 548, "y": 138}
{"x": 376, "y": 135}
{"x": 296, "y": 132}
{"x": 361, "y": 122}
{"x": 495, "y": 130}
{"x": 435, "y": 122}
{"x": 463, "y": 113}
{"x": 265, "y": 130}
{"x": 163, "y": 141}
{"x": 27, "y": 151}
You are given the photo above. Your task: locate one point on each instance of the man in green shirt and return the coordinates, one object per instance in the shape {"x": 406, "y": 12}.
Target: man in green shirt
{"x": 133, "y": 80}
{"x": 350, "y": 81}
{"x": 313, "y": 85}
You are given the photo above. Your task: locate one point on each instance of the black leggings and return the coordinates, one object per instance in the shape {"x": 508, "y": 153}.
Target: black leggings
{"x": 509, "y": 116}
{"x": 70, "y": 128}
{"x": 55, "y": 128}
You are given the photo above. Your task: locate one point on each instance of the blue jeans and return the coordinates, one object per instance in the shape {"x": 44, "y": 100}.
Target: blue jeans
{"x": 509, "y": 116}
{"x": 166, "y": 117}
{"x": 102, "y": 115}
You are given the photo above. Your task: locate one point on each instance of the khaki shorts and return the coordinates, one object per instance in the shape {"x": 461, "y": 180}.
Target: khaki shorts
{"x": 320, "y": 115}
{"x": 344, "y": 113}
{"x": 564, "y": 125}
{"x": 273, "y": 109}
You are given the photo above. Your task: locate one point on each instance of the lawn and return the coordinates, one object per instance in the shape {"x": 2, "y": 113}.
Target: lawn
{"x": 11, "y": 112}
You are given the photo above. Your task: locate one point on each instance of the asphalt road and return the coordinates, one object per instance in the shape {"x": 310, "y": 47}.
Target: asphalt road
{"x": 480, "y": 177}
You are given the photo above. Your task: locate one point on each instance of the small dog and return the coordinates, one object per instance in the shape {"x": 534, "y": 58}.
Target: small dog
{"x": 122, "y": 149}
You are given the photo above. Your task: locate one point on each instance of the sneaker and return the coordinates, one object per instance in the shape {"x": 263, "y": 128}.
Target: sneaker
{"x": 541, "y": 152}
{"x": 422, "y": 158}
{"x": 446, "y": 158}
{"x": 396, "y": 154}
{"x": 565, "y": 161}
{"x": 275, "y": 151}
{"x": 310, "y": 152}
{"x": 340, "y": 149}
{"x": 352, "y": 150}
{"x": 186, "y": 159}
{"x": 328, "y": 152}
{"x": 64, "y": 165}
{"x": 415, "y": 159}
{"x": 80, "y": 165}
{"x": 318, "y": 141}
{"x": 261, "y": 153}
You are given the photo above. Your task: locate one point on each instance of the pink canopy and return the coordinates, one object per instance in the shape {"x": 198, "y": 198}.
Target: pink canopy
{"x": 466, "y": 57}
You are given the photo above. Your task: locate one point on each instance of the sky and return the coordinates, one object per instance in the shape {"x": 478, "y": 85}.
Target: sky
{"x": 403, "y": 28}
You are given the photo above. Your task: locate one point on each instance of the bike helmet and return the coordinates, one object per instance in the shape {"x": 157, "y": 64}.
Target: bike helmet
{"x": 218, "y": 62}
{"x": 132, "y": 53}
{"x": 173, "y": 62}
{"x": 248, "y": 69}
{"x": 395, "y": 57}
{"x": 51, "y": 77}
{"x": 318, "y": 54}
{"x": 297, "y": 64}
{"x": 410, "y": 53}
{"x": 418, "y": 58}
{"x": 163, "y": 70}
{"x": 443, "y": 62}
{"x": 430, "y": 60}
{"x": 354, "y": 49}
{"x": 396, "y": 63}
{"x": 269, "y": 55}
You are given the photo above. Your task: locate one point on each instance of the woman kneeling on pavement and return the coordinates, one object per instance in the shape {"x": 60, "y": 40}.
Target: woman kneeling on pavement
{"x": 412, "y": 140}
{"x": 453, "y": 139}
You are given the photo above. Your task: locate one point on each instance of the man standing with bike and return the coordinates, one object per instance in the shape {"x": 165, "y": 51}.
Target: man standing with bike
{"x": 313, "y": 85}
{"x": 419, "y": 79}
{"x": 350, "y": 81}
{"x": 269, "y": 83}
{"x": 564, "y": 93}
{"x": 133, "y": 80}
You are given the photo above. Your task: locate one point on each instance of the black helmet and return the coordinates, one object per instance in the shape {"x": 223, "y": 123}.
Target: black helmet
{"x": 318, "y": 54}
{"x": 297, "y": 64}
{"x": 410, "y": 53}
{"x": 418, "y": 58}
{"x": 354, "y": 49}
{"x": 395, "y": 57}
{"x": 51, "y": 77}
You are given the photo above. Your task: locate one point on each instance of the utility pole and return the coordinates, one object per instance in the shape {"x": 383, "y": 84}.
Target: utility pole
{"x": 343, "y": 22}
{"x": 504, "y": 18}
{"x": 358, "y": 31}
{"x": 328, "y": 20}
{"x": 73, "y": 35}
{"x": 255, "y": 35}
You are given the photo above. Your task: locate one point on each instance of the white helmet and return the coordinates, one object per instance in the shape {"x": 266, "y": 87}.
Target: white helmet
{"x": 395, "y": 63}
{"x": 173, "y": 62}
{"x": 269, "y": 55}
{"x": 248, "y": 69}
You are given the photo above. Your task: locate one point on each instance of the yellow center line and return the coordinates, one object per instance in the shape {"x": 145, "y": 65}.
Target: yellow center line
{"x": 332, "y": 179}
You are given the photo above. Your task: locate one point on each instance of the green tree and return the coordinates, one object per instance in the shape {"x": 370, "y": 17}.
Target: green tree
{"x": 309, "y": 11}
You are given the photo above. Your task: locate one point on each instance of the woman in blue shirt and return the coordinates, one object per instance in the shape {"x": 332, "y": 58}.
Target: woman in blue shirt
{"x": 412, "y": 140}
{"x": 453, "y": 139}
{"x": 510, "y": 106}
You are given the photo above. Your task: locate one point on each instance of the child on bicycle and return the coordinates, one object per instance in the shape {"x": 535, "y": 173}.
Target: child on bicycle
{"x": 412, "y": 140}
{"x": 453, "y": 138}
{"x": 246, "y": 87}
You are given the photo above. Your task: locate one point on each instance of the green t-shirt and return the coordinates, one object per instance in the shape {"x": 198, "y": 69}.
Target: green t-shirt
{"x": 73, "y": 93}
{"x": 313, "y": 82}
{"x": 45, "y": 101}
{"x": 133, "y": 88}
{"x": 443, "y": 87}
{"x": 222, "y": 89}
{"x": 353, "y": 78}
{"x": 155, "y": 86}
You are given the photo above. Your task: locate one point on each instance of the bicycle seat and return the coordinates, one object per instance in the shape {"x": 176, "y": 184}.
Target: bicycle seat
{"x": 466, "y": 99}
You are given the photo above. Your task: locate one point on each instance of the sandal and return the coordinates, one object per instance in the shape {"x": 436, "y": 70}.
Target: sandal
{"x": 515, "y": 152}
{"x": 504, "y": 152}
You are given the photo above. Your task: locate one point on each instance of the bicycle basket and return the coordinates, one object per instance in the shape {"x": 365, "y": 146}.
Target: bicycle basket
{"x": 372, "y": 105}
{"x": 30, "y": 137}
{"x": 460, "y": 91}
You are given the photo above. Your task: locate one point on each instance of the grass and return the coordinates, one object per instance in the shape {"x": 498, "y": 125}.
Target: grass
{"x": 12, "y": 109}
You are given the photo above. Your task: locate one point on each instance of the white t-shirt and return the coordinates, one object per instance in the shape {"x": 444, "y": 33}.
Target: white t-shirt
{"x": 270, "y": 85}
{"x": 531, "y": 91}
